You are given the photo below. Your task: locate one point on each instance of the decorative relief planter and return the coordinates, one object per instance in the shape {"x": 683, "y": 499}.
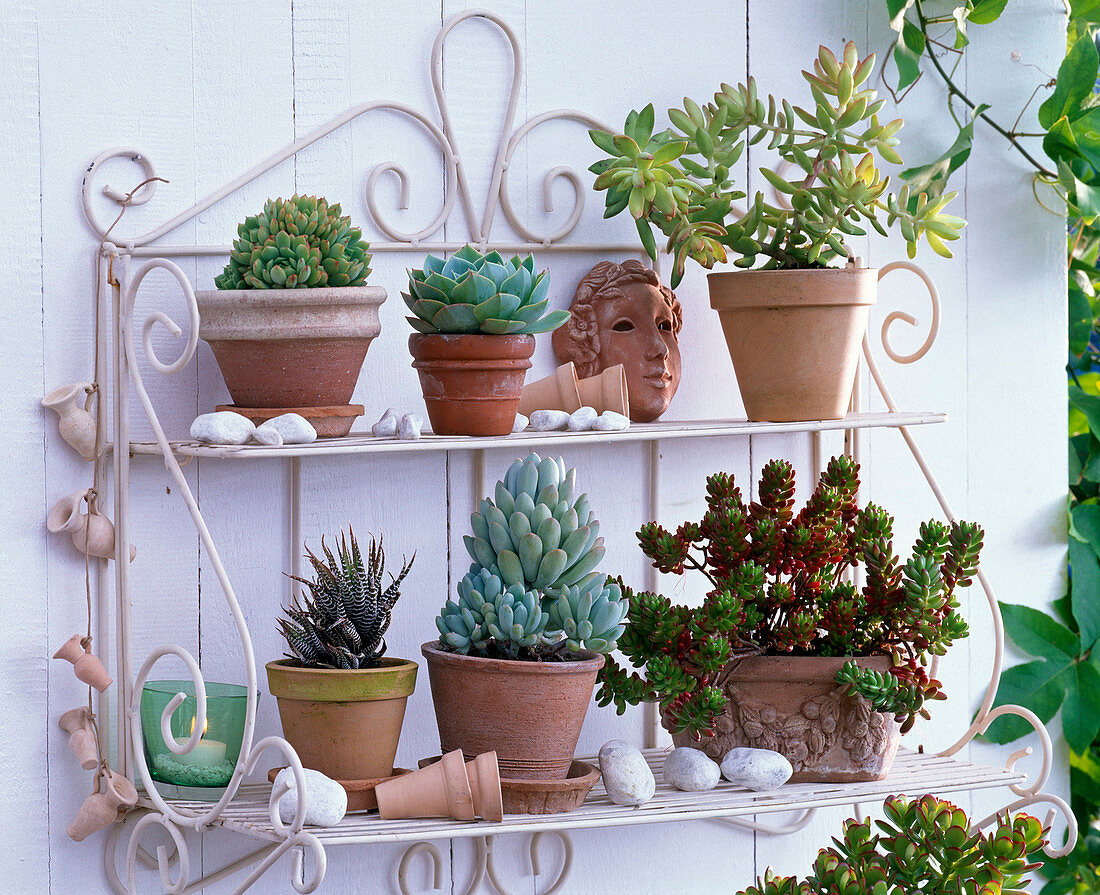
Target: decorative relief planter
{"x": 793, "y": 705}
{"x": 292, "y": 350}
{"x": 471, "y": 383}
{"x": 529, "y": 713}
{"x": 794, "y": 337}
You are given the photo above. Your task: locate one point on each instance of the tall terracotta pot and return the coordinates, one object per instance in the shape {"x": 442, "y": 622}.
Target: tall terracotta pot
{"x": 294, "y": 350}
{"x": 794, "y": 337}
{"x": 793, "y": 705}
{"x": 471, "y": 383}
{"x": 529, "y": 713}
{"x": 345, "y": 724}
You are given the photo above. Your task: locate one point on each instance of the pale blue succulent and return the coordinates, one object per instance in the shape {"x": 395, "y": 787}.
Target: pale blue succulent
{"x": 487, "y": 610}
{"x": 537, "y": 533}
{"x": 474, "y": 293}
{"x": 590, "y": 614}
{"x": 533, "y": 584}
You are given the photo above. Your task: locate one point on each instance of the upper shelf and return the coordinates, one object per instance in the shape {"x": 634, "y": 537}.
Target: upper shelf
{"x": 912, "y": 774}
{"x": 659, "y": 431}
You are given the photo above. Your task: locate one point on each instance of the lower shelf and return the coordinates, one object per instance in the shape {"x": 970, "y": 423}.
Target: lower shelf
{"x": 913, "y": 774}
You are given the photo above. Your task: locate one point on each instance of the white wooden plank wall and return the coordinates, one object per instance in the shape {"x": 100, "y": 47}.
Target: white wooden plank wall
{"x": 206, "y": 89}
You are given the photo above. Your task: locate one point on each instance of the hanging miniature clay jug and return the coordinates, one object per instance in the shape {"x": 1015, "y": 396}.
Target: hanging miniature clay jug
{"x": 72, "y": 403}
{"x": 92, "y": 533}
{"x": 87, "y": 666}
{"x": 77, "y": 723}
{"x": 113, "y": 793}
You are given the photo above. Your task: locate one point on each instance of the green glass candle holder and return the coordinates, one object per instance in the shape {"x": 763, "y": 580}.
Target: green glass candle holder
{"x": 202, "y": 773}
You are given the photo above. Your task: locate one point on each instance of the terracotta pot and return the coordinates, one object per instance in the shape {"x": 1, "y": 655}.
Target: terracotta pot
{"x": 558, "y": 391}
{"x": 471, "y": 383}
{"x": 794, "y": 337}
{"x": 606, "y": 391}
{"x": 529, "y": 713}
{"x": 92, "y": 533}
{"x": 280, "y": 348}
{"x": 793, "y": 705}
{"x": 438, "y": 790}
{"x": 113, "y": 797}
{"x": 345, "y": 724}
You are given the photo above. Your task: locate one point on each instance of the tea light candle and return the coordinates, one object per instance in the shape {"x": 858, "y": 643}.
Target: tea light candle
{"x": 206, "y": 754}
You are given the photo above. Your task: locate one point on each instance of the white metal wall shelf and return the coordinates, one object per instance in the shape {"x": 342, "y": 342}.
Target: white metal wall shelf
{"x": 248, "y": 809}
{"x": 663, "y": 430}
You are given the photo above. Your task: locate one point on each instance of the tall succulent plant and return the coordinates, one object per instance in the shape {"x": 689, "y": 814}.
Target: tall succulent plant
{"x": 475, "y": 293}
{"x": 679, "y": 180}
{"x": 342, "y": 623}
{"x": 293, "y": 243}
{"x": 532, "y": 588}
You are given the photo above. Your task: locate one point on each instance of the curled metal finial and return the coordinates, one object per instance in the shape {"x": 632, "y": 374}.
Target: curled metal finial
{"x": 180, "y": 856}
{"x": 140, "y": 197}
{"x": 900, "y": 316}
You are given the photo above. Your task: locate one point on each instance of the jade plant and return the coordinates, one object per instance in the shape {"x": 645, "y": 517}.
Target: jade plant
{"x": 475, "y": 293}
{"x": 294, "y": 243}
{"x": 923, "y": 846}
{"x": 680, "y": 180}
{"x": 342, "y": 623}
{"x": 532, "y": 591}
{"x": 780, "y": 586}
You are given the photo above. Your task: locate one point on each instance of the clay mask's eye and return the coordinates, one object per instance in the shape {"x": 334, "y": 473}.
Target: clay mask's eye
{"x": 664, "y": 325}
{"x": 623, "y": 326}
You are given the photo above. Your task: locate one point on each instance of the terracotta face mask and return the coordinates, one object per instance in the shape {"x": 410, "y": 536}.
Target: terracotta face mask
{"x": 621, "y": 315}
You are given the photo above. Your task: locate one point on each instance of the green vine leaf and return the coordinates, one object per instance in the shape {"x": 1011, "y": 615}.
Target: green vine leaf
{"x": 1040, "y": 635}
{"x": 1081, "y": 710}
{"x": 1039, "y": 686}
{"x": 1076, "y": 76}
{"x": 986, "y": 11}
{"x": 932, "y": 178}
{"x": 1086, "y": 574}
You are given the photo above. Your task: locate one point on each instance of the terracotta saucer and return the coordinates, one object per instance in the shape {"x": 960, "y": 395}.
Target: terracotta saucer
{"x": 333, "y": 421}
{"x": 360, "y": 792}
{"x": 545, "y": 796}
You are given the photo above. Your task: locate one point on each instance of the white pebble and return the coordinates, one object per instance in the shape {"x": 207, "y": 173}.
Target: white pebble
{"x": 409, "y": 427}
{"x": 326, "y": 800}
{"x": 386, "y": 427}
{"x": 549, "y": 420}
{"x": 610, "y": 421}
{"x": 581, "y": 419}
{"x": 690, "y": 770}
{"x": 267, "y": 435}
{"x": 222, "y": 427}
{"x": 626, "y": 776}
{"x": 521, "y": 423}
{"x": 757, "y": 769}
{"x": 292, "y": 427}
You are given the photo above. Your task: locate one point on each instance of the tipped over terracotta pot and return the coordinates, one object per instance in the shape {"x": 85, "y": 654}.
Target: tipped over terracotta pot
{"x": 794, "y": 337}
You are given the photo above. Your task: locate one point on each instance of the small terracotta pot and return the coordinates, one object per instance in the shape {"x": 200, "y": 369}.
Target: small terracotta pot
{"x": 290, "y": 348}
{"x": 484, "y": 776}
{"x": 794, "y": 337}
{"x": 77, "y": 723}
{"x": 345, "y": 724}
{"x": 793, "y": 705}
{"x": 606, "y": 391}
{"x": 438, "y": 790}
{"x": 471, "y": 383}
{"x": 558, "y": 391}
{"x": 529, "y": 713}
{"x": 76, "y": 425}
